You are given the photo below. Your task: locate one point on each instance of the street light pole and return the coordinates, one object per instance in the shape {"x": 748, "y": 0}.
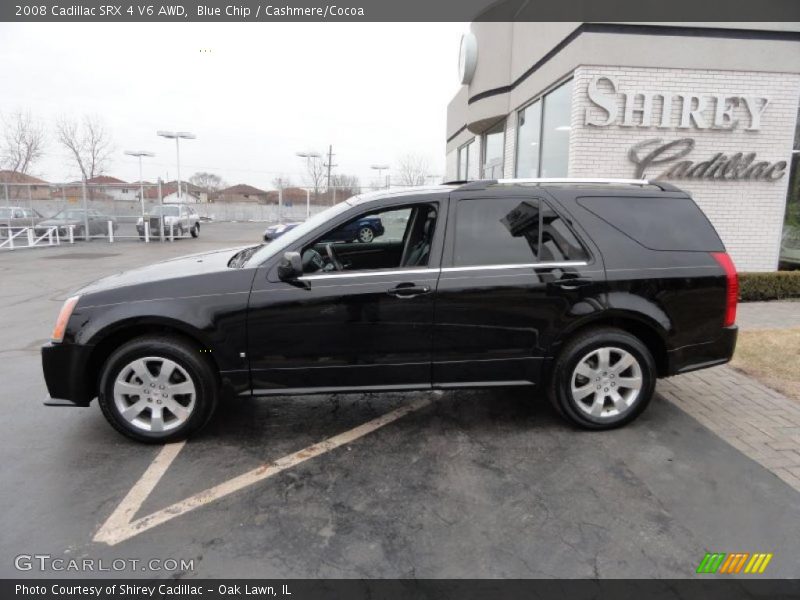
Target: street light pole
{"x": 139, "y": 154}
{"x": 379, "y": 169}
{"x": 309, "y": 156}
{"x": 177, "y": 135}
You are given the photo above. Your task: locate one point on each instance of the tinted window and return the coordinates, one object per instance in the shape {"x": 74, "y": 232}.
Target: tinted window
{"x": 558, "y": 241}
{"x": 658, "y": 223}
{"x": 497, "y": 231}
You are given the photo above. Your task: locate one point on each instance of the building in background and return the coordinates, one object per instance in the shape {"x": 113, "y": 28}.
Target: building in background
{"x": 242, "y": 193}
{"x": 709, "y": 107}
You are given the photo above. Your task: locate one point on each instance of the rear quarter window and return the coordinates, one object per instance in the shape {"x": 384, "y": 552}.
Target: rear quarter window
{"x": 656, "y": 223}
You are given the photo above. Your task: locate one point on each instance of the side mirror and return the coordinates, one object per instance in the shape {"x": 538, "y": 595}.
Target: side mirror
{"x": 290, "y": 266}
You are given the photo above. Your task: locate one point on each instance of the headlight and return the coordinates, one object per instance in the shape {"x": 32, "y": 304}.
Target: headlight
{"x": 63, "y": 318}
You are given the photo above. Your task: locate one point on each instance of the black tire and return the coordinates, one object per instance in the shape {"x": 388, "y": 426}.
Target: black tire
{"x": 195, "y": 231}
{"x": 188, "y": 357}
{"x": 574, "y": 352}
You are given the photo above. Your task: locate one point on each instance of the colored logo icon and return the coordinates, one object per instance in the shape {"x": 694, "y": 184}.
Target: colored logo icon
{"x": 734, "y": 563}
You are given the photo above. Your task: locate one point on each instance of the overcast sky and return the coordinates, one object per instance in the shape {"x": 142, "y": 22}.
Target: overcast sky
{"x": 257, "y": 95}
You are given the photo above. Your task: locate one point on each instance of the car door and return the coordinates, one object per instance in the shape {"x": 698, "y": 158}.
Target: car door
{"x": 512, "y": 273}
{"x": 361, "y": 328}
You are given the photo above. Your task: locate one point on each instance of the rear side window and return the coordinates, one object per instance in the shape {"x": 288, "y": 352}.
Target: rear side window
{"x": 658, "y": 223}
{"x": 512, "y": 231}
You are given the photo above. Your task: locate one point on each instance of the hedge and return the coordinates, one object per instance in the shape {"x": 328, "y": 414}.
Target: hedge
{"x": 769, "y": 286}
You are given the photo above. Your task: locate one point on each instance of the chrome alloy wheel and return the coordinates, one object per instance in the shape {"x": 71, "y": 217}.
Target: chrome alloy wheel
{"x": 606, "y": 382}
{"x": 365, "y": 235}
{"x": 154, "y": 394}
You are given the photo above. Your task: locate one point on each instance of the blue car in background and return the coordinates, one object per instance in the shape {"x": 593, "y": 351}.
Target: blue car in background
{"x": 362, "y": 230}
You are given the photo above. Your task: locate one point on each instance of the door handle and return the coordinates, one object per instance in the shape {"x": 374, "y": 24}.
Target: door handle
{"x": 406, "y": 290}
{"x": 573, "y": 283}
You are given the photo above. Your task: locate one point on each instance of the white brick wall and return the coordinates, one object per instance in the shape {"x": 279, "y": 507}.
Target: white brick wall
{"x": 747, "y": 214}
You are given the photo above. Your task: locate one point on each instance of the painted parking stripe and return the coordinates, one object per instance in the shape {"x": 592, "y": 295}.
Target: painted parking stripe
{"x": 121, "y": 525}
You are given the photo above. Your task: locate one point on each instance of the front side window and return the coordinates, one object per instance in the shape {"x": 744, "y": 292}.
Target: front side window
{"x": 389, "y": 239}
{"x": 511, "y": 231}
{"x": 493, "y": 142}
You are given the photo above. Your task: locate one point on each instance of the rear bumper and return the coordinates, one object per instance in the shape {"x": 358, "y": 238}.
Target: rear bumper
{"x": 65, "y": 368}
{"x": 702, "y": 356}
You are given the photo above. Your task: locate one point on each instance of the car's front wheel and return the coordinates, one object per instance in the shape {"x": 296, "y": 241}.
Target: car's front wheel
{"x": 603, "y": 378}
{"x": 157, "y": 389}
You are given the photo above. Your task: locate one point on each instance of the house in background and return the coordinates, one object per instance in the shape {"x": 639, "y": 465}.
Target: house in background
{"x": 113, "y": 188}
{"x": 190, "y": 193}
{"x": 32, "y": 188}
{"x": 291, "y": 196}
{"x": 243, "y": 193}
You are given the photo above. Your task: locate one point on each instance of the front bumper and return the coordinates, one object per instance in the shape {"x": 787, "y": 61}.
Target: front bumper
{"x": 702, "y": 356}
{"x": 65, "y": 368}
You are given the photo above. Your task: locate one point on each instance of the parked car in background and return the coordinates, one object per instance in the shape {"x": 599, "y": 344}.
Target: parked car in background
{"x": 15, "y": 218}
{"x": 177, "y": 219}
{"x": 276, "y": 231}
{"x": 790, "y": 248}
{"x": 363, "y": 230}
{"x": 586, "y": 290}
{"x": 78, "y": 218}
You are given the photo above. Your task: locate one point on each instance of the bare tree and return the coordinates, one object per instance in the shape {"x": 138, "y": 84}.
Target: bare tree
{"x": 316, "y": 172}
{"x": 210, "y": 183}
{"x": 87, "y": 142}
{"x": 345, "y": 186}
{"x": 22, "y": 144}
{"x": 412, "y": 170}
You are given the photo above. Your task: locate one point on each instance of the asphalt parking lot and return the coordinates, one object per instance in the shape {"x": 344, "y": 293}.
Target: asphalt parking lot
{"x": 464, "y": 484}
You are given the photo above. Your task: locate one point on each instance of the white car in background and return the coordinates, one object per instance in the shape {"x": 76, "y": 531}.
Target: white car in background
{"x": 178, "y": 220}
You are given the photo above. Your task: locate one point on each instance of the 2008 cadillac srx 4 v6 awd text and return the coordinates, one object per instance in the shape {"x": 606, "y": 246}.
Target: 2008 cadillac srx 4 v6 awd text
{"x": 590, "y": 290}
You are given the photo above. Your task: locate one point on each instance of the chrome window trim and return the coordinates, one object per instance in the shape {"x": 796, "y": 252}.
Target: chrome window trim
{"x": 539, "y": 265}
{"x": 369, "y": 273}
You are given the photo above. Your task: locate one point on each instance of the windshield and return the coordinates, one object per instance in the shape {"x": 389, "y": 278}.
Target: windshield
{"x": 167, "y": 211}
{"x": 290, "y": 237}
{"x": 69, "y": 214}
{"x": 5, "y": 213}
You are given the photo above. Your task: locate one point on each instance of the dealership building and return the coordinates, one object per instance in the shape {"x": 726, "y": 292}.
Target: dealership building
{"x": 709, "y": 107}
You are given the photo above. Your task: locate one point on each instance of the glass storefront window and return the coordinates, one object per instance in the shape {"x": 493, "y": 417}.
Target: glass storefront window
{"x": 493, "y": 142}
{"x": 529, "y": 122}
{"x": 555, "y": 131}
{"x": 790, "y": 243}
{"x": 472, "y": 161}
{"x": 462, "y": 163}
{"x": 543, "y": 135}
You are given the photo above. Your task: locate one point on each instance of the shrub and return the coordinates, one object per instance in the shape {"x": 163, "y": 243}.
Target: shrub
{"x": 769, "y": 286}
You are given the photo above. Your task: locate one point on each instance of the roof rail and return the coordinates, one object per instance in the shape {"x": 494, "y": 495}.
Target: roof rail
{"x": 591, "y": 180}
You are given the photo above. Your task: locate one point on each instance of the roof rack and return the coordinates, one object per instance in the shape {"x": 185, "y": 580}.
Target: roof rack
{"x": 589, "y": 180}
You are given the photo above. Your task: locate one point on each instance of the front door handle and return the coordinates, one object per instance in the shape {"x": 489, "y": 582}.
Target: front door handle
{"x": 573, "y": 283}
{"x": 408, "y": 290}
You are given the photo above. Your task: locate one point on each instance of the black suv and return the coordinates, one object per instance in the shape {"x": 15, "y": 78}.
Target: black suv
{"x": 588, "y": 289}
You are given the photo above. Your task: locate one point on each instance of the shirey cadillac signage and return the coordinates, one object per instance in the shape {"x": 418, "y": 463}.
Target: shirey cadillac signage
{"x": 692, "y": 112}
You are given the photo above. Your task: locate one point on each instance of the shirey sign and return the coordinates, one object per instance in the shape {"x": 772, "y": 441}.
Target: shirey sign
{"x": 692, "y": 112}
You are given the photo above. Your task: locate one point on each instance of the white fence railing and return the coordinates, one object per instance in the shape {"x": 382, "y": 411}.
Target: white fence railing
{"x": 13, "y": 238}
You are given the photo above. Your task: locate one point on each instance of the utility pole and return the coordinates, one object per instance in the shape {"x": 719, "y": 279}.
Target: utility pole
{"x": 329, "y": 164}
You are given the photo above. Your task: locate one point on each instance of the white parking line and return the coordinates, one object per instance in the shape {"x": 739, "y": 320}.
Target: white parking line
{"x": 121, "y": 525}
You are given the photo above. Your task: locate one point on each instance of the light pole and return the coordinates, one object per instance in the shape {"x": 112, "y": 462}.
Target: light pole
{"x": 309, "y": 156}
{"x": 139, "y": 154}
{"x": 177, "y": 135}
{"x": 379, "y": 169}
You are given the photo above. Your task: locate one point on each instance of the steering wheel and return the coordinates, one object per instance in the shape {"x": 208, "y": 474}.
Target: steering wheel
{"x": 312, "y": 261}
{"x": 337, "y": 264}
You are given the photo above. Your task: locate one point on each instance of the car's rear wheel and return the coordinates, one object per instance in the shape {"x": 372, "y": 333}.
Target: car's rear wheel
{"x": 157, "y": 389}
{"x": 366, "y": 235}
{"x": 603, "y": 378}
{"x": 195, "y": 231}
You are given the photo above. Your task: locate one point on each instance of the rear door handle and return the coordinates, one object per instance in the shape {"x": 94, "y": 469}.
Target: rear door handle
{"x": 573, "y": 283}
{"x": 408, "y": 290}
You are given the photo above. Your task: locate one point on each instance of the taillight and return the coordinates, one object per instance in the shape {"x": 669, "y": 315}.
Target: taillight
{"x": 732, "y": 290}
